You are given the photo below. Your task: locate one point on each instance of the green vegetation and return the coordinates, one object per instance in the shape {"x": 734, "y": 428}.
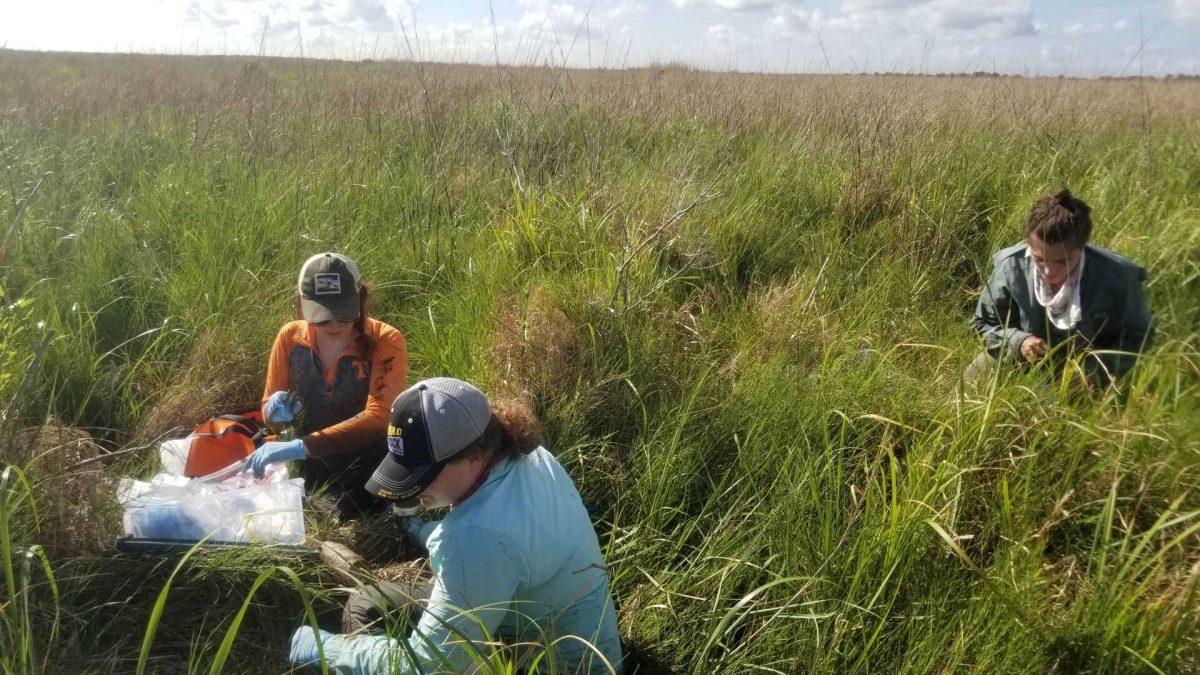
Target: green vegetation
{"x": 739, "y": 303}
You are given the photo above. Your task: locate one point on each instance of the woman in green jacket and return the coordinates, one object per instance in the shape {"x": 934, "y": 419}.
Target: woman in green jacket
{"x": 1055, "y": 295}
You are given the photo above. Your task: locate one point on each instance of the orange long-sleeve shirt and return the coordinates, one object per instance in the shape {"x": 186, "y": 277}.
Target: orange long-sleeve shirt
{"x": 346, "y": 407}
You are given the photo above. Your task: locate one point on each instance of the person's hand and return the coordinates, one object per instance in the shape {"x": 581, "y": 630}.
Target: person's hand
{"x": 412, "y": 525}
{"x": 282, "y": 408}
{"x": 272, "y": 452}
{"x": 1034, "y": 349}
{"x": 304, "y": 646}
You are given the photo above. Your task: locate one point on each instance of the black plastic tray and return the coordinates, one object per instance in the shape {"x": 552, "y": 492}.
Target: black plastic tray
{"x": 168, "y": 546}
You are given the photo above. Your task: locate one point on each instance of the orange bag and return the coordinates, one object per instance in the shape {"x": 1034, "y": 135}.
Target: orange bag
{"x": 221, "y": 441}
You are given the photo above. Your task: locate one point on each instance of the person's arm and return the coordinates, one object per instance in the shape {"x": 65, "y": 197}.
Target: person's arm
{"x": 993, "y": 318}
{"x": 1136, "y": 333}
{"x": 278, "y": 375}
{"x": 478, "y": 574}
{"x": 389, "y": 373}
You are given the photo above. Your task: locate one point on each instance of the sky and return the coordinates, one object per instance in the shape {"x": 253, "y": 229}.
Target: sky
{"x": 1048, "y": 37}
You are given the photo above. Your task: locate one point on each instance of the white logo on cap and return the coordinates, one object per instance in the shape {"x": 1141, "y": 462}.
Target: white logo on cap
{"x": 396, "y": 445}
{"x": 327, "y": 284}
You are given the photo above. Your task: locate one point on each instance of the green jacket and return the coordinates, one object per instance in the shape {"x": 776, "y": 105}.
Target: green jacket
{"x": 1115, "y": 314}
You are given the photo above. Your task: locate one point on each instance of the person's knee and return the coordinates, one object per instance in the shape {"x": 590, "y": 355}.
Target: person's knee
{"x": 979, "y": 369}
{"x": 370, "y": 604}
{"x": 359, "y": 612}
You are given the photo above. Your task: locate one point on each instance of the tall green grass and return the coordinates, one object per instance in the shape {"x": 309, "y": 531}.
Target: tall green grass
{"x": 738, "y": 302}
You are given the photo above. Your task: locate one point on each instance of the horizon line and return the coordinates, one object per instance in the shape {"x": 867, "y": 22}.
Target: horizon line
{"x": 653, "y": 65}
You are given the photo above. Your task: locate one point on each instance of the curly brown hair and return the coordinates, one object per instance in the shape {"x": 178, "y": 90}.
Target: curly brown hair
{"x": 512, "y": 431}
{"x": 1060, "y": 218}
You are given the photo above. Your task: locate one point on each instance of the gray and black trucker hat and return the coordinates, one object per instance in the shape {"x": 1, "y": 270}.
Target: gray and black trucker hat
{"x": 431, "y": 422}
{"x": 329, "y": 284}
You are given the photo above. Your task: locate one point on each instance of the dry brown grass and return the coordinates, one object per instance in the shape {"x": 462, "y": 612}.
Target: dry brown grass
{"x": 220, "y": 376}
{"x": 873, "y": 112}
{"x": 402, "y": 571}
{"x": 533, "y": 348}
{"x": 791, "y": 320}
{"x": 73, "y": 496}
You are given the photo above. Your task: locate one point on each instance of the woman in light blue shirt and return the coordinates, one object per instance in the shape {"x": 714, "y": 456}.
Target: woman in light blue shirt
{"x": 515, "y": 560}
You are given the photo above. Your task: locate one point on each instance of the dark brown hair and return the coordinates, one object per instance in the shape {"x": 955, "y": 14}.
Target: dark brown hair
{"x": 513, "y": 431}
{"x": 1060, "y": 218}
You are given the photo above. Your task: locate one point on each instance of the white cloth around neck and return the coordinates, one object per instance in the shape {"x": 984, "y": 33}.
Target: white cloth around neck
{"x": 1063, "y": 307}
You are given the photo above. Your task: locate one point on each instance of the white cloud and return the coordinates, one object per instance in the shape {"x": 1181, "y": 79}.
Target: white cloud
{"x": 368, "y": 14}
{"x": 546, "y": 32}
{"x": 213, "y": 16}
{"x": 1185, "y": 9}
{"x": 996, "y": 19}
{"x": 726, "y": 5}
{"x": 625, "y": 9}
{"x": 1120, "y": 25}
{"x": 721, "y": 32}
{"x": 791, "y": 21}
{"x": 1002, "y": 19}
{"x": 560, "y": 18}
{"x": 723, "y": 41}
{"x": 1055, "y": 58}
{"x": 852, "y": 6}
{"x": 545, "y": 21}
{"x": 282, "y": 16}
{"x": 880, "y": 18}
{"x": 463, "y": 41}
{"x": 1083, "y": 29}
{"x": 279, "y": 28}
{"x": 965, "y": 52}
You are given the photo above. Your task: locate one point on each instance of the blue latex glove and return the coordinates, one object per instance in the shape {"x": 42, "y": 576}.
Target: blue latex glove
{"x": 304, "y": 646}
{"x": 282, "y": 408}
{"x": 272, "y": 452}
{"x": 412, "y": 525}
{"x": 418, "y": 528}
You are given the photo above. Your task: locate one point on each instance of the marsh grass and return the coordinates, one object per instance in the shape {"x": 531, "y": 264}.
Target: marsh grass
{"x": 738, "y": 302}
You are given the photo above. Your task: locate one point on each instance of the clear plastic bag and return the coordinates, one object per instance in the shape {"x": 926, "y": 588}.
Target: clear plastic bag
{"x": 173, "y": 455}
{"x": 225, "y": 506}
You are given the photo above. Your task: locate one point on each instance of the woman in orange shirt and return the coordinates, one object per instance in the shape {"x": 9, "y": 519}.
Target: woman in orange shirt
{"x": 332, "y": 377}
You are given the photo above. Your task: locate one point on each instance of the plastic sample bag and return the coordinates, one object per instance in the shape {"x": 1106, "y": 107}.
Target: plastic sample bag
{"x": 226, "y": 506}
{"x": 173, "y": 455}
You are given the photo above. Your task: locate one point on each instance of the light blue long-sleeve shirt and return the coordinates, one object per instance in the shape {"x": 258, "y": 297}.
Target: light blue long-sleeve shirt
{"x": 518, "y": 558}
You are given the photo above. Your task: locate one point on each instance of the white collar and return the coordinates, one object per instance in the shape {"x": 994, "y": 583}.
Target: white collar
{"x": 1063, "y": 308}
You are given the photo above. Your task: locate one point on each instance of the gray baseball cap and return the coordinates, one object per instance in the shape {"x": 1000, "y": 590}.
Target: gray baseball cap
{"x": 329, "y": 285}
{"x": 431, "y": 422}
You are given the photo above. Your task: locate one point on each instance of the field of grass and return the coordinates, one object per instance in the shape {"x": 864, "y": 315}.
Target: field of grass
{"x": 738, "y": 301}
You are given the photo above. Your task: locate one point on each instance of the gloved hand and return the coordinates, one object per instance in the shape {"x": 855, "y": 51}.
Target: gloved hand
{"x": 418, "y": 528}
{"x": 272, "y": 452}
{"x": 304, "y": 646}
{"x": 412, "y": 525}
{"x": 282, "y": 408}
